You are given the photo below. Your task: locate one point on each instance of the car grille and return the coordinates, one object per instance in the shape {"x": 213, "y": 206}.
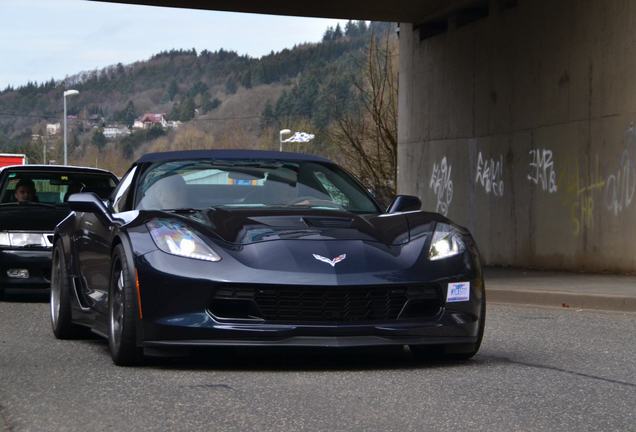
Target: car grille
{"x": 284, "y": 303}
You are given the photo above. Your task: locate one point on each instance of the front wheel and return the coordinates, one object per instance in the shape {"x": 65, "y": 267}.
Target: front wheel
{"x": 60, "y": 300}
{"x": 122, "y": 312}
{"x": 453, "y": 351}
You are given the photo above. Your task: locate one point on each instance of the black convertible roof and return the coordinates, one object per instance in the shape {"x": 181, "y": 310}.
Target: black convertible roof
{"x": 229, "y": 155}
{"x": 55, "y": 168}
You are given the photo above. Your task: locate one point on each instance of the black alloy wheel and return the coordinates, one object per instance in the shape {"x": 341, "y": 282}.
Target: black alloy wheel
{"x": 122, "y": 312}
{"x": 457, "y": 352}
{"x": 60, "y": 299}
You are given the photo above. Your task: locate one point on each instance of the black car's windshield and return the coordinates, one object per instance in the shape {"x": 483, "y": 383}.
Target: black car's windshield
{"x": 52, "y": 187}
{"x": 200, "y": 184}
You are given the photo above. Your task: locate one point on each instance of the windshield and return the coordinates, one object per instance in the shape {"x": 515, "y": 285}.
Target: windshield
{"x": 200, "y": 184}
{"x": 52, "y": 187}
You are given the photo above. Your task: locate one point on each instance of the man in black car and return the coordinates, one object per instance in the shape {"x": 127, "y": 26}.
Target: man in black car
{"x": 25, "y": 191}
{"x": 33, "y": 200}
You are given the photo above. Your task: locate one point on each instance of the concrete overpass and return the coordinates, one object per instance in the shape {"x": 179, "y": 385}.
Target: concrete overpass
{"x": 516, "y": 119}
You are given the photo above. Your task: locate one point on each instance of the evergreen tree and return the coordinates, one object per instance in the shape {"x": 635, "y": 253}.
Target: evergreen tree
{"x": 172, "y": 90}
{"x": 231, "y": 86}
{"x": 337, "y": 33}
{"x": 98, "y": 139}
{"x": 127, "y": 115}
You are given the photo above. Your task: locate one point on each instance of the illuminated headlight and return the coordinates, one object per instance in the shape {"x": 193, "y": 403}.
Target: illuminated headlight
{"x": 175, "y": 238}
{"x": 446, "y": 243}
{"x": 24, "y": 239}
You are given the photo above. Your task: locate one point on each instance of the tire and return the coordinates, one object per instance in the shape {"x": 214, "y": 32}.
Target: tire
{"x": 61, "y": 297}
{"x": 459, "y": 352}
{"x": 122, "y": 312}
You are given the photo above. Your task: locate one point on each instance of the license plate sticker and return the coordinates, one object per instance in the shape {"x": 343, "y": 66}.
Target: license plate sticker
{"x": 458, "y": 292}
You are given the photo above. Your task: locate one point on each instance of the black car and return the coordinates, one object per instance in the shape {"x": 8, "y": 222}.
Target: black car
{"x": 32, "y": 202}
{"x": 204, "y": 248}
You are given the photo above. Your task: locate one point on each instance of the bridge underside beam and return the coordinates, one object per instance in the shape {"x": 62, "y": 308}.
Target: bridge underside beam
{"x": 380, "y": 10}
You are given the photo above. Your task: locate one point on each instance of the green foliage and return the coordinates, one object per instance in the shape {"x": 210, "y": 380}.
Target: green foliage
{"x": 231, "y": 86}
{"x": 127, "y": 115}
{"x": 211, "y": 105}
{"x": 172, "y": 90}
{"x": 98, "y": 139}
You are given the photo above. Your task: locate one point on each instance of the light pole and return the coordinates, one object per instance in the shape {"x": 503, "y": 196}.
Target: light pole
{"x": 280, "y": 138}
{"x": 67, "y": 93}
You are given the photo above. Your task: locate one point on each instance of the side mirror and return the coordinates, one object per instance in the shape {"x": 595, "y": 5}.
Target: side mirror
{"x": 90, "y": 202}
{"x": 404, "y": 203}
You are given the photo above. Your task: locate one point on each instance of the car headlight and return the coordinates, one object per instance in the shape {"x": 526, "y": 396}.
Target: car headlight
{"x": 446, "y": 243}
{"x": 24, "y": 239}
{"x": 176, "y": 238}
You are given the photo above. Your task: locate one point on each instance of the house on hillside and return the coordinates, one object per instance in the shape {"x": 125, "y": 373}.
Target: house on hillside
{"x": 115, "y": 131}
{"x": 149, "y": 120}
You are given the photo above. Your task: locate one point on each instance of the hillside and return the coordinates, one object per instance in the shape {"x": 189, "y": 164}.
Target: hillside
{"x": 222, "y": 99}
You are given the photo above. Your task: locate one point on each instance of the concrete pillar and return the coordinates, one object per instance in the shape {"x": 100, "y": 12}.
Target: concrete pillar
{"x": 521, "y": 126}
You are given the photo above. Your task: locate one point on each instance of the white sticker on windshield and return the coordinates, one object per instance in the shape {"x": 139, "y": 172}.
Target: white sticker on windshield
{"x": 458, "y": 292}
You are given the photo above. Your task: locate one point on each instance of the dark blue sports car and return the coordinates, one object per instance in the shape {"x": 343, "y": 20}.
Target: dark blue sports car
{"x": 204, "y": 248}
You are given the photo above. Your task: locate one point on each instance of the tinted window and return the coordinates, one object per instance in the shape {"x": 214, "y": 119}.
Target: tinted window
{"x": 201, "y": 184}
{"x": 56, "y": 187}
{"x": 122, "y": 193}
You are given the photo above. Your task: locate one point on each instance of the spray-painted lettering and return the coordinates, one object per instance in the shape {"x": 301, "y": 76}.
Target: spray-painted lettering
{"x": 490, "y": 175}
{"x": 542, "y": 171}
{"x": 621, "y": 185}
{"x": 442, "y": 185}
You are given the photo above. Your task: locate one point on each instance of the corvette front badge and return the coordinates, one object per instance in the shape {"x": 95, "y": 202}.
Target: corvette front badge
{"x": 331, "y": 262}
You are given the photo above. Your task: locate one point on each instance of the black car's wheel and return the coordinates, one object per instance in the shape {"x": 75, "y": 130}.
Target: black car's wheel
{"x": 122, "y": 312}
{"x": 452, "y": 351}
{"x": 60, "y": 300}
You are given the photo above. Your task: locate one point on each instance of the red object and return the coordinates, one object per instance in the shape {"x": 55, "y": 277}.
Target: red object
{"x": 7, "y": 159}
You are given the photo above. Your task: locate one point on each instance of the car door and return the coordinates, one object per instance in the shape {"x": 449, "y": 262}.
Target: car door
{"x": 94, "y": 245}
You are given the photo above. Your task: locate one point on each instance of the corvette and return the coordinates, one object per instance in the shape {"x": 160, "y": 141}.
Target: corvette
{"x": 220, "y": 247}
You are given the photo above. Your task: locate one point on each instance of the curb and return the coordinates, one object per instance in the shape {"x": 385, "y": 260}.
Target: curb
{"x": 562, "y": 299}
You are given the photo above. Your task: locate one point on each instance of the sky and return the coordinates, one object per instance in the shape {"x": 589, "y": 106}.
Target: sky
{"x": 44, "y": 39}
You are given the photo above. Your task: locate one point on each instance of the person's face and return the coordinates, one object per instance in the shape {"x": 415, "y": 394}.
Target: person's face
{"x": 23, "y": 193}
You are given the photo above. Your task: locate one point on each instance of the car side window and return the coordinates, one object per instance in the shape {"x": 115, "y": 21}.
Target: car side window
{"x": 123, "y": 191}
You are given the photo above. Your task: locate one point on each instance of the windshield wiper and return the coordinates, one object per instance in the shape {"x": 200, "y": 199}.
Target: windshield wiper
{"x": 29, "y": 203}
{"x": 182, "y": 210}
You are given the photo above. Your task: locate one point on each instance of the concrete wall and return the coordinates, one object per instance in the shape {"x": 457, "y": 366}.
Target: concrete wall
{"x": 521, "y": 126}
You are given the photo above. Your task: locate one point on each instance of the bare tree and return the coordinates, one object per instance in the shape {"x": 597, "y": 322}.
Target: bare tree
{"x": 367, "y": 138}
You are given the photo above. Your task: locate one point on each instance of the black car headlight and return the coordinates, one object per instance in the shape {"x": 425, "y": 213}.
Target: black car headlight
{"x": 24, "y": 239}
{"x": 446, "y": 243}
{"x": 176, "y": 238}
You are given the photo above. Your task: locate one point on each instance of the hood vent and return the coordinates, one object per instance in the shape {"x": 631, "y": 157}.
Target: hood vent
{"x": 328, "y": 222}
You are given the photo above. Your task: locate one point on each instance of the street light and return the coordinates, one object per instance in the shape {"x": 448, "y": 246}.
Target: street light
{"x": 67, "y": 93}
{"x": 280, "y": 138}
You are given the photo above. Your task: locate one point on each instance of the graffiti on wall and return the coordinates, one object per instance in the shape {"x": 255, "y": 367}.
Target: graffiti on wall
{"x": 582, "y": 193}
{"x": 442, "y": 185}
{"x": 542, "y": 171}
{"x": 490, "y": 175}
{"x": 621, "y": 185}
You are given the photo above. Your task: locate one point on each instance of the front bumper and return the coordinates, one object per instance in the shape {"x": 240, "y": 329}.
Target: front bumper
{"x": 176, "y": 293}
{"x": 36, "y": 261}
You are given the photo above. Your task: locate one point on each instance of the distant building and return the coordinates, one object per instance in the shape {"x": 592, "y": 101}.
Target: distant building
{"x": 93, "y": 121}
{"x": 138, "y": 124}
{"x": 52, "y": 129}
{"x": 115, "y": 131}
{"x": 174, "y": 124}
{"x": 151, "y": 119}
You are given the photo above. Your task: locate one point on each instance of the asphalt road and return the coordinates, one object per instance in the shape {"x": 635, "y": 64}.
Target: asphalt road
{"x": 538, "y": 370}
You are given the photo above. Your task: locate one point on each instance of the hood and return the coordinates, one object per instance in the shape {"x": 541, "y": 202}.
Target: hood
{"x": 247, "y": 226}
{"x": 31, "y": 217}
{"x": 243, "y": 226}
